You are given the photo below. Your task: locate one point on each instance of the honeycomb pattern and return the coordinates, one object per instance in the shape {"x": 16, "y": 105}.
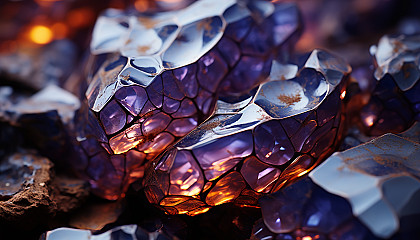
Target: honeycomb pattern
{"x": 279, "y": 136}
{"x": 141, "y": 102}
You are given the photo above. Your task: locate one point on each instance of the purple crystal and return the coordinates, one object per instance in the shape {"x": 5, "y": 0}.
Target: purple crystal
{"x": 170, "y": 105}
{"x": 239, "y": 29}
{"x": 392, "y": 104}
{"x": 245, "y": 152}
{"x": 247, "y": 74}
{"x": 187, "y": 109}
{"x": 203, "y": 100}
{"x": 180, "y": 127}
{"x": 305, "y": 209}
{"x": 211, "y": 70}
{"x": 303, "y": 133}
{"x": 96, "y": 167}
{"x": 258, "y": 41}
{"x": 155, "y": 124}
{"x": 171, "y": 84}
{"x": 170, "y": 87}
{"x": 272, "y": 145}
{"x": 215, "y": 155}
{"x": 112, "y": 117}
{"x": 183, "y": 180}
{"x": 229, "y": 50}
{"x": 132, "y": 98}
{"x": 187, "y": 78}
{"x": 154, "y": 91}
{"x": 258, "y": 174}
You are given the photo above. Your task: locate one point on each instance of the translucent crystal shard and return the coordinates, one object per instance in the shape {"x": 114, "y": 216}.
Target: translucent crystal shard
{"x": 155, "y": 77}
{"x": 258, "y": 143}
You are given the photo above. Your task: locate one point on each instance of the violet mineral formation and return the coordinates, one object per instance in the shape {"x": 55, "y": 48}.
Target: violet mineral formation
{"x": 371, "y": 191}
{"x": 394, "y": 104}
{"x": 154, "y": 78}
{"x": 257, "y": 144}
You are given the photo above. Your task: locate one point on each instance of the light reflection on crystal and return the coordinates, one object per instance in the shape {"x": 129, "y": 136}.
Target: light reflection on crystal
{"x": 169, "y": 84}
{"x": 185, "y": 177}
{"x": 221, "y": 155}
{"x": 242, "y": 152}
{"x": 226, "y": 189}
{"x": 127, "y": 139}
{"x": 112, "y": 117}
{"x": 258, "y": 174}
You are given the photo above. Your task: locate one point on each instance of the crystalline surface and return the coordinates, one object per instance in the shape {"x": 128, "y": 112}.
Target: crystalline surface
{"x": 386, "y": 172}
{"x": 267, "y": 139}
{"x": 164, "y": 71}
{"x": 365, "y": 192}
{"x": 393, "y": 106}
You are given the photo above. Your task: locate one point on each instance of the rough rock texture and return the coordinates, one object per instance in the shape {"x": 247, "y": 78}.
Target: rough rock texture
{"x": 68, "y": 193}
{"x": 30, "y": 194}
{"x": 25, "y": 193}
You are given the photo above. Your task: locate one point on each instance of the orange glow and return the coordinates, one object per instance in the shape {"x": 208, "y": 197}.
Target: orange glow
{"x": 40, "y": 34}
{"x": 60, "y": 30}
{"x": 141, "y": 5}
{"x": 343, "y": 95}
{"x": 369, "y": 121}
{"x": 81, "y": 17}
{"x": 306, "y": 238}
{"x": 144, "y": 5}
{"x": 302, "y": 173}
{"x": 46, "y": 2}
{"x": 198, "y": 211}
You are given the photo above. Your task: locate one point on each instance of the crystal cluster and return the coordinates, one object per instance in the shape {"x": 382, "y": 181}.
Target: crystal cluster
{"x": 155, "y": 78}
{"x": 273, "y": 136}
{"x": 394, "y": 104}
{"x": 367, "y": 192}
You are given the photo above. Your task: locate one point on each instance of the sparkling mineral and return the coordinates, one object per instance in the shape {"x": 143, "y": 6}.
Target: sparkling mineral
{"x": 156, "y": 77}
{"x": 275, "y": 136}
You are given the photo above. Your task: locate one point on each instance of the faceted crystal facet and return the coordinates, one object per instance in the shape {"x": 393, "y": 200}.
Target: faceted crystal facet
{"x": 258, "y": 174}
{"x": 112, "y": 117}
{"x": 186, "y": 177}
{"x": 260, "y": 142}
{"x": 393, "y": 106}
{"x": 364, "y": 192}
{"x": 164, "y": 72}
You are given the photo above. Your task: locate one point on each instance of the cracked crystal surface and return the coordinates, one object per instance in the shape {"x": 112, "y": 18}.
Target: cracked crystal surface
{"x": 156, "y": 77}
{"x": 282, "y": 132}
